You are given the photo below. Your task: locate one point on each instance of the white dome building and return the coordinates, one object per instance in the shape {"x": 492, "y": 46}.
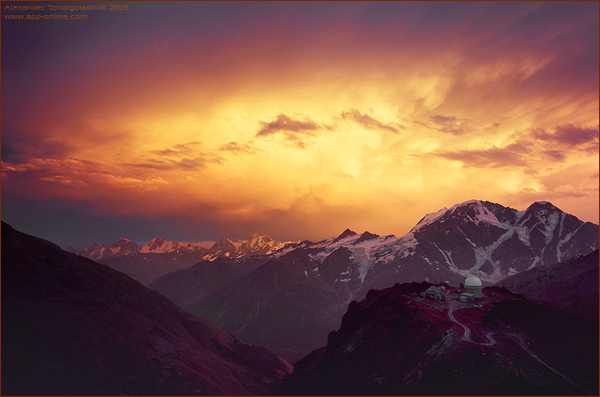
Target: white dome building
{"x": 473, "y": 286}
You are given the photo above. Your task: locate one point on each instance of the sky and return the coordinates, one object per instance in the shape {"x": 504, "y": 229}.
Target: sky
{"x": 195, "y": 121}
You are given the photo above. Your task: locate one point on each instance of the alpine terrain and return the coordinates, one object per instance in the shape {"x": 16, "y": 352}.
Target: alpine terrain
{"x": 289, "y": 300}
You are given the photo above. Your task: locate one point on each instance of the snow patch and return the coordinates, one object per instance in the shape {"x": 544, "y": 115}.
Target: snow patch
{"x": 551, "y": 226}
{"x": 523, "y": 234}
{"x": 486, "y": 216}
{"x": 563, "y": 241}
{"x": 534, "y": 263}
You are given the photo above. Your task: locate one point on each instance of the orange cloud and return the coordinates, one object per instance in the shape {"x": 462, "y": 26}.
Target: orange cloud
{"x": 367, "y": 121}
{"x": 493, "y": 157}
{"x": 295, "y": 131}
{"x": 568, "y": 134}
{"x": 400, "y": 108}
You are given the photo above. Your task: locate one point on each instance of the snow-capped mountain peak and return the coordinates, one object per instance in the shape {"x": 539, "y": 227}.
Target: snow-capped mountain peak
{"x": 429, "y": 218}
{"x": 102, "y": 251}
{"x": 256, "y": 245}
{"x": 160, "y": 246}
{"x": 475, "y": 236}
{"x": 475, "y": 211}
{"x": 345, "y": 234}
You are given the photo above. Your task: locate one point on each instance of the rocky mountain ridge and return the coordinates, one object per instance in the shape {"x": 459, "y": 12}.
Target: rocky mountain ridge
{"x": 160, "y": 256}
{"x": 256, "y": 245}
{"x": 474, "y": 237}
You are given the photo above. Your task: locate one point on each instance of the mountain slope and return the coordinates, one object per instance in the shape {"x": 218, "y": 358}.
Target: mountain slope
{"x": 147, "y": 267}
{"x": 74, "y": 327}
{"x": 276, "y": 305}
{"x": 395, "y": 342}
{"x": 188, "y": 286}
{"x": 571, "y": 285}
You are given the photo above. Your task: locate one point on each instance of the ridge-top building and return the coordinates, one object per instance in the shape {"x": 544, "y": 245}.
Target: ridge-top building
{"x": 473, "y": 286}
{"x": 436, "y": 293}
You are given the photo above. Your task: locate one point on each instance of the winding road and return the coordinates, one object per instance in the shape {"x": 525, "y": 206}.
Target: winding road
{"x": 467, "y": 333}
{"x": 492, "y": 341}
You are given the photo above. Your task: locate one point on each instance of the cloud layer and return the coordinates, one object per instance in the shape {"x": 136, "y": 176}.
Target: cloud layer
{"x": 300, "y": 119}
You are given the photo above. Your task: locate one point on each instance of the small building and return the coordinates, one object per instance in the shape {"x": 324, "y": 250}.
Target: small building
{"x": 436, "y": 293}
{"x": 466, "y": 297}
{"x": 473, "y": 286}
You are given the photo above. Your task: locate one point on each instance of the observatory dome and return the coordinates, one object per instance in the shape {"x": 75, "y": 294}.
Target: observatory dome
{"x": 472, "y": 281}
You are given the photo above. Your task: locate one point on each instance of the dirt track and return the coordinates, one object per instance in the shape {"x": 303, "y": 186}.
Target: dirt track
{"x": 467, "y": 333}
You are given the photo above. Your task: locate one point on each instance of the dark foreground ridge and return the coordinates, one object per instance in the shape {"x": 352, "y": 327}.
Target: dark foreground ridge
{"x": 396, "y": 342}
{"x": 71, "y": 326}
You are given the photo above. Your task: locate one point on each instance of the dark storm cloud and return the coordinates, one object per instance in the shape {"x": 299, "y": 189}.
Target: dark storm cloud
{"x": 367, "y": 121}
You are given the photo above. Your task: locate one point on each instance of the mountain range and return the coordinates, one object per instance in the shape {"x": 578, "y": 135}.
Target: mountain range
{"x": 304, "y": 288}
{"x": 255, "y": 245}
{"x": 160, "y": 256}
{"x": 71, "y": 326}
{"x": 472, "y": 237}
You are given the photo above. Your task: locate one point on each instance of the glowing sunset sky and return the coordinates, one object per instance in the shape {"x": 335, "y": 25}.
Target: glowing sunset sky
{"x": 196, "y": 121}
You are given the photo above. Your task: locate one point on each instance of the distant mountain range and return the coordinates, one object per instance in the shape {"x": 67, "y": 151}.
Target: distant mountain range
{"x": 71, "y": 326}
{"x": 160, "y": 256}
{"x": 255, "y": 245}
{"x": 472, "y": 237}
{"x": 304, "y": 288}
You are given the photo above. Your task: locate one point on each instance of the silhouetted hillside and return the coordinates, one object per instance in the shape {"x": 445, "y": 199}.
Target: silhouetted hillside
{"x": 74, "y": 327}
